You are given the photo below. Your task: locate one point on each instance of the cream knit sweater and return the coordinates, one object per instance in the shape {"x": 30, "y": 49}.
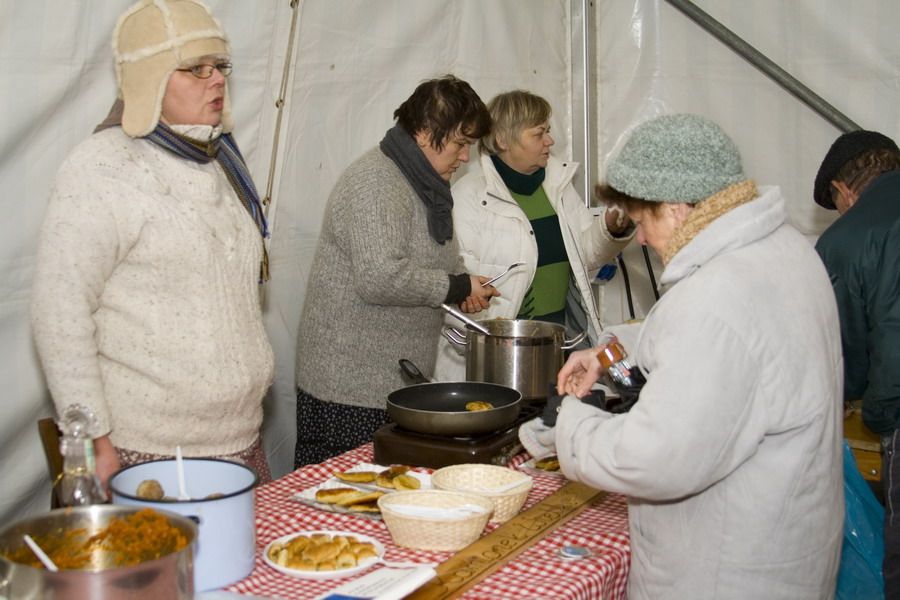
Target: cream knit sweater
{"x": 145, "y": 303}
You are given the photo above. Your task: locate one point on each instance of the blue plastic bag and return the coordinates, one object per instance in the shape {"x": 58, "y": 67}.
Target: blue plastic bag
{"x": 859, "y": 576}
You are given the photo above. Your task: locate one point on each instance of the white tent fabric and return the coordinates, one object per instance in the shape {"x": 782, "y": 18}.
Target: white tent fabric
{"x": 354, "y": 61}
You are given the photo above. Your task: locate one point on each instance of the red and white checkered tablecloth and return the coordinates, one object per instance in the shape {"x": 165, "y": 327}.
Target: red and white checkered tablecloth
{"x": 538, "y": 572}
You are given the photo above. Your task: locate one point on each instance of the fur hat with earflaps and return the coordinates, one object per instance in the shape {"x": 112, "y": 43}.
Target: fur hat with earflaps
{"x": 151, "y": 40}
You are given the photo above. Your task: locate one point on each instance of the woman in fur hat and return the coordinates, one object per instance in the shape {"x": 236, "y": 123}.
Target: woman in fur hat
{"x": 146, "y": 293}
{"x": 731, "y": 457}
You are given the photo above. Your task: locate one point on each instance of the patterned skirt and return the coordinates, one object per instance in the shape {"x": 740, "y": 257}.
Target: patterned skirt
{"x": 253, "y": 457}
{"x": 326, "y": 429}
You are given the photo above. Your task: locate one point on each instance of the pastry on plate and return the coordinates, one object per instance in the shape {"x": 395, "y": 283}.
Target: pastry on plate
{"x": 549, "y": 463}
{"x": 357, "y": 476}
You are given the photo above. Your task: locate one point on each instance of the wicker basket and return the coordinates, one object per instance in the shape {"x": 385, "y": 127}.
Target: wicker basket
{"x": 481, "y": 480}
{"x": 424, "y": 533}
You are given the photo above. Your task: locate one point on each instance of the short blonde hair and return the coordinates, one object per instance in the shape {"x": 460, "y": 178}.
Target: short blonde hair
{"x": 511, "y": 112}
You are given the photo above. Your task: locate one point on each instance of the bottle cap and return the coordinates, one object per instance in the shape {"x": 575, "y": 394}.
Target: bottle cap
{"x": 574, "y": 552}
{"x": 611, "y": 354}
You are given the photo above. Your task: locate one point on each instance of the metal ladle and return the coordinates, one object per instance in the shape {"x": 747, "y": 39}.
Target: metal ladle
{"x": 465, "y": 319}
{"x": 508, "y": 269}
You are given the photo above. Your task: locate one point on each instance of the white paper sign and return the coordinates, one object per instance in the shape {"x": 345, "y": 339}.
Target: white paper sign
{"x": 382, "y": 584}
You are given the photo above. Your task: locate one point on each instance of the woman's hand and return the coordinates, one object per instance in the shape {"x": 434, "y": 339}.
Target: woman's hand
{"x": 106, "y": 459}
{"x": 617, "y": 220}
{"x": 580, "y": 373}
{"x": 480, "y": 297}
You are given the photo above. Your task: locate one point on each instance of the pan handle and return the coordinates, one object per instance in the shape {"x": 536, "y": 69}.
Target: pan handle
{"x": 412, "y": 371}
{"x": 454, "y": 336}
{"x": 569, "y": 344}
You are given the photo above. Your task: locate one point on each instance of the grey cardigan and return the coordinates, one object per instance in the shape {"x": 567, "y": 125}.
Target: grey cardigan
{"x": 375, "y": 288}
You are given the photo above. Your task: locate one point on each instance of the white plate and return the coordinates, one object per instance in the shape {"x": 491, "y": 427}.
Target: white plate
{"x": 424, "y": 478}
{"x": 308, "y": 497}
{"x": 336, "y": 574}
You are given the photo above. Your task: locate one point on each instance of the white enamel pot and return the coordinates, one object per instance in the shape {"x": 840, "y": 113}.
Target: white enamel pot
{"x": 226, "y": 541}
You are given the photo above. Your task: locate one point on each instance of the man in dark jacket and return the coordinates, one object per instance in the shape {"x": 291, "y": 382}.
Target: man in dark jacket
{"x": 860, "y": 178}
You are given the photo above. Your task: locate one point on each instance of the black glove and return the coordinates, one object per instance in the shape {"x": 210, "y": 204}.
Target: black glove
{"x": 554, "y": 402}
{"x": 628, "y": 395}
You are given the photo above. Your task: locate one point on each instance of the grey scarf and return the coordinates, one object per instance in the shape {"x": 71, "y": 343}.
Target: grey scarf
{"x": 431, "y": 188}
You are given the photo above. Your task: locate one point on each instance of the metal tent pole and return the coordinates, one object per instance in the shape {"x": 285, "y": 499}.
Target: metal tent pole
{"x": 766, "y": 65}
{"x": 583, "y": 97}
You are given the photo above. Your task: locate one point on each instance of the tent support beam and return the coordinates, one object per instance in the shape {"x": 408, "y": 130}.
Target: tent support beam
{"x": 766, "y": 65}
{"x": 583, "y": 97}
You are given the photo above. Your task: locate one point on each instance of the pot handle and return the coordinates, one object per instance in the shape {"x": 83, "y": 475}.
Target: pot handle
{"x": 454, "y": 336}
{"x": 569, "y": 344}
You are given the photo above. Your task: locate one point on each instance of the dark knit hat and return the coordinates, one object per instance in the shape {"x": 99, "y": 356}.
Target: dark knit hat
{"x": 676, "y": 158}
{"x": 844, "y": 149}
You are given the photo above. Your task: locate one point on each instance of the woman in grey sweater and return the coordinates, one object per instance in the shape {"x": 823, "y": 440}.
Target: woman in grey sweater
{"x": 385, "y": 262}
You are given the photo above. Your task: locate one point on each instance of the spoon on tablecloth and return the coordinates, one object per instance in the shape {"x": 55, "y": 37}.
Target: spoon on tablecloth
{"x": 179, "y": 468}
{"x": 42, "y": 556}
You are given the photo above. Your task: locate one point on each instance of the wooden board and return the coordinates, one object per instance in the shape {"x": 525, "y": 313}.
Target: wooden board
{"x": 487, "y": 554}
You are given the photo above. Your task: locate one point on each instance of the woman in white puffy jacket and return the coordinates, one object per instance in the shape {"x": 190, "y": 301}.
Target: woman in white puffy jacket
{"x": 520, "y": 205}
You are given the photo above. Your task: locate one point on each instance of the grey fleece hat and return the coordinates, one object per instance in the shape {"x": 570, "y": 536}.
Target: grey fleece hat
{"x": 676, "y": 158}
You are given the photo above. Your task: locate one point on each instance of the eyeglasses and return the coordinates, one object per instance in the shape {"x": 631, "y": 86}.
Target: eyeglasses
{"x": 206, "y": 71}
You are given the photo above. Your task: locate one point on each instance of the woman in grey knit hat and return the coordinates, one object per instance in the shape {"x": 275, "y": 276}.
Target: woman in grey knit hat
{"x": 731, "y": 456}
{"x": 386, "y": 260}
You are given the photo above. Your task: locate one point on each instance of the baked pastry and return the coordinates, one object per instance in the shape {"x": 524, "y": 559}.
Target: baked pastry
{"x": 406, "y": 482}
{"x": 150, "y": 489}
{"x": 367, "y": 507}
{"x": 384, "y": 480}
{"x": 549, "y": 463}
{"x": 336, "y": 495}
{"x": 327, "y": 565}
{"x": 478, "y": 405}
{"x": 319, "y": 553}
{"x": 366, "y": 551}
{"x": 345, "y": 560}
{"x": 357, "y": 476}
{"x": 360, "y": 498}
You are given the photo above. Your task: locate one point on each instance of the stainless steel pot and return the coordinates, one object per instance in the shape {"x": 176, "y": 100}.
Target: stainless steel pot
{"x": 522, "y": 354}
{"x": 167, "y": 577}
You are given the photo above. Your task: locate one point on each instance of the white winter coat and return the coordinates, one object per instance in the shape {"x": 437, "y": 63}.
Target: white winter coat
{"x": 731, "y": 458}
{"x": 493, "y": 233}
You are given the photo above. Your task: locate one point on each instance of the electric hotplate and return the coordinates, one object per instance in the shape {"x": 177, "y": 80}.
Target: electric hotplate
{"x": 394, "y": 445}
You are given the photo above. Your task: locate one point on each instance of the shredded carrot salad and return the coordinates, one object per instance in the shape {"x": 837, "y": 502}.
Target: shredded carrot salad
{"x": 127, "y": 541}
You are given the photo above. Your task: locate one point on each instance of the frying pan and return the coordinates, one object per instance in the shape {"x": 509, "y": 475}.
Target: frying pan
{"x": 440, "y": 408}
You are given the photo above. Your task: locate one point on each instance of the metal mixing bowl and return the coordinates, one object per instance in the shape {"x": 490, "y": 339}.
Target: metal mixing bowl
{"x": 168, "y": 577}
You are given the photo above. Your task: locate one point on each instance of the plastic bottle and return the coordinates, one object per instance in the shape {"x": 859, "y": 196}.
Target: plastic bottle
{"x": 79, "y": 484}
